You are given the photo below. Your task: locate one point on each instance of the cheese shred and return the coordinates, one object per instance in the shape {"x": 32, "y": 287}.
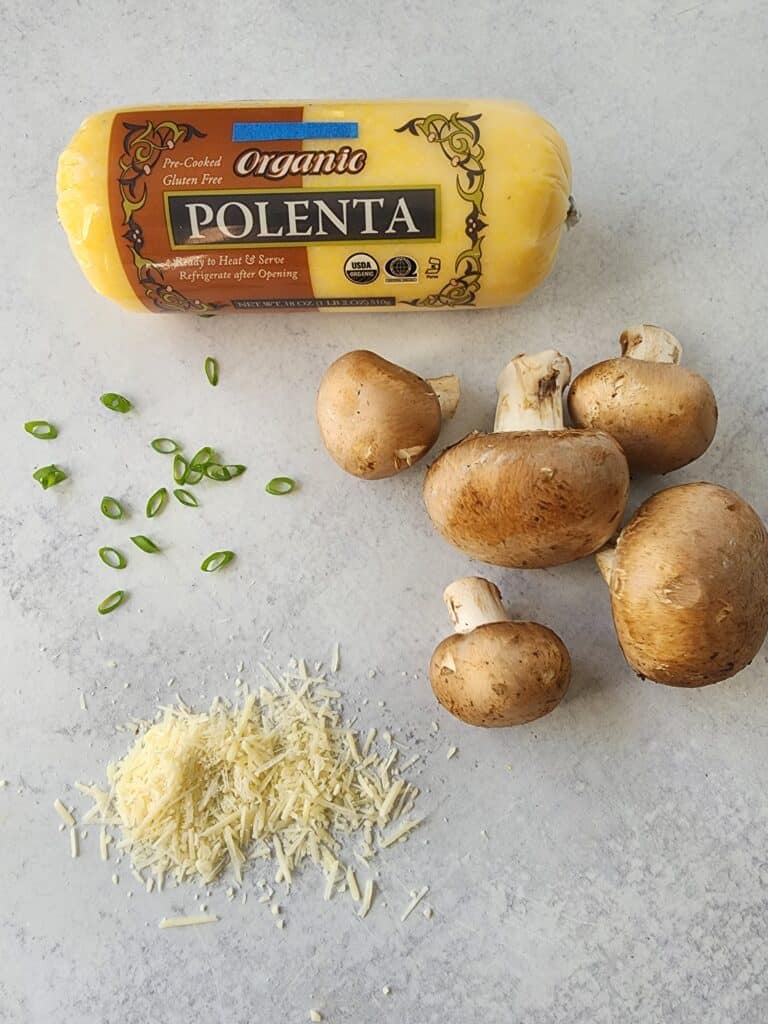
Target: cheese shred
{"x": 414, "y": 903}
{"x": 279, "y": 777}
{"x": 365, "y": 906}
{"x": 185, "y": 922}
{"x": 63, "y": 813}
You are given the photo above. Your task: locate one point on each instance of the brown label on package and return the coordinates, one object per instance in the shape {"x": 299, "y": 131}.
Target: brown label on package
{"x": 155, "y": 156}
{"x": 214, "y": 208}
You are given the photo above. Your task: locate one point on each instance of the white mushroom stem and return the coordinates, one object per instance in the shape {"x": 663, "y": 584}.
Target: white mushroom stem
{"x": 448, "y": 391}
{"x": 473, "y": 602}
{"x": 531, "y": 392}
{"x": 606, "y": 559}
{"x": 651, "y": 344}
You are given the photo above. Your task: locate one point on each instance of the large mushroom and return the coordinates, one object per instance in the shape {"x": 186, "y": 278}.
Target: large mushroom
{"x": 494, "y": 672}
{"x": 531, "y": 494}
{"x": 688, "y": 577}
{"x": 662, "y": 414}
{"x": 377, "y": 418}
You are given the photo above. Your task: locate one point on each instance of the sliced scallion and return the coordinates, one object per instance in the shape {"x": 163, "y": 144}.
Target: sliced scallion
{"x": 186, "y": 498}
{"x": 117, "y": 403}
{"x": 113, "y": 558}
{"x": 41, "y": 429}
{"x": 111, "y": 508}
{"x": 165, "y": 445}
{"x": 179, "y": 468}
{"x": 217, "y": 560}
{"x": 145, "y": 544}
{"x": 194, "y": 475}
{"x": 215, "y": 471}
{"x": 280, "y": 485}
{"x": 201, "y": 459}
{"x": 157, "y": 503}
{"x": 49, "y": 476}
{"x": 212, "y": 371}
{"x": 110, "y": 603}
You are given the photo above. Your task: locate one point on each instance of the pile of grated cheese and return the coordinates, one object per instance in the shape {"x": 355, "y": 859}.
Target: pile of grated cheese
{"x": 278, "y": 777}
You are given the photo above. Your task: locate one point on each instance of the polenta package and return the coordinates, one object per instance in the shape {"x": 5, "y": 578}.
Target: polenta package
{"x": 338, "y": 206}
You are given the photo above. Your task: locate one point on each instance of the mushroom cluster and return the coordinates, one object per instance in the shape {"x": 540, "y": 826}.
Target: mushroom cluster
{"x": 688, "y": 575}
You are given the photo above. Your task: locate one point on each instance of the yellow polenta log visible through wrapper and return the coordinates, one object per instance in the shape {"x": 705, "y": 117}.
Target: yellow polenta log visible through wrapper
{"x": 508, "y": 161}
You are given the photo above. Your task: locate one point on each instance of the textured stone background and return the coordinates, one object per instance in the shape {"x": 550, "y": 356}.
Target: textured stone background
{"x": 625, "y": 873}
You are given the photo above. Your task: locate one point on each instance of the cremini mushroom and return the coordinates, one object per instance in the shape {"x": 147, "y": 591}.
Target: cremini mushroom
{"x": 662, "y": 414}
{"x": 376, "y": 418}
{"x": 688, "y": 577}
{"x": 494, "y": 672}
{"x": 531, "y": 494}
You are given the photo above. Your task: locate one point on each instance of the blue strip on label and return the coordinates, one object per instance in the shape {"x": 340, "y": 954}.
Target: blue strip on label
{"x": 263, "y": 131}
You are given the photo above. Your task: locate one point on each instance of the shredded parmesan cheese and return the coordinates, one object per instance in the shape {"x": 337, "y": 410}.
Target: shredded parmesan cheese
{"x": 419, "y": 896}
{"x": 451, "y": 752}
{"x": 365, "y": 906}
{"x": 315, "y": 1016}
{"x": 400, "y": 833}
{"x": 185, "y": 922}
{"x": 74, "y": 847}
{"x": 354, "y": 889}
{"x": 278, "y": 777}
{"x": 63, "y": 813}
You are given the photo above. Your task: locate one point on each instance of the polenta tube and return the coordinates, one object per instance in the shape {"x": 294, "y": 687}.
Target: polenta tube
{"x": 407, "y": 205}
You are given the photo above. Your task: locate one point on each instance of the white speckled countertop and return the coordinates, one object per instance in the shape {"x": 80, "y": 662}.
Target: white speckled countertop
{"x": 624, "y": 877}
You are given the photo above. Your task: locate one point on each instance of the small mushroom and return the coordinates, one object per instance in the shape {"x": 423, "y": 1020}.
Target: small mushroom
{"x": 531, "y": 494}
{"x": 688, "y": 577}
{"x": 493, "y": 672}
{"x": 663, "y": 415}
{"x": 376, "y": 418}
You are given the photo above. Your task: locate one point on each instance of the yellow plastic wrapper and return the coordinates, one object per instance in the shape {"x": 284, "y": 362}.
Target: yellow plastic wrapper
{"x": 403, "y": 205}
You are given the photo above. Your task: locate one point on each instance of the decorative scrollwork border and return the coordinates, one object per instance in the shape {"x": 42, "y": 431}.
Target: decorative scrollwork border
{"x": 143, "y": 146}
{"x": 459, "y": 139}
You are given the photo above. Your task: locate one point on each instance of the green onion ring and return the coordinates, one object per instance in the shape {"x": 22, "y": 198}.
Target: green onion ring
{"x": 217, "y": 560}
{"x": 111, "y": 508}
{"x": 201, "y": 459}
{"x": 179, "y": 468}
{"x": 186, "y": 498}
{"x": 280, "y": 485}
{"x": 49, "y": 476}
{"x": 157, "y": 502}
{"x": 193, "y": 475}
{"x": 41, "y": 429}
{"x": 165, "y": 445}
{"x": 110, "y": 603}
{"x": 145, "y": 544}
{"x": 113, "y": 558}
{"x": 117, "y": 403}
{"x": 212, "y": 371}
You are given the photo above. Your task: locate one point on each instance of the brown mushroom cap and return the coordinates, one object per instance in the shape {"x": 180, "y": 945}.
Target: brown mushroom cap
{"x": 529, "y": 499}
{"x": 501, "y": 674}
{"x": 689, "y": 586}
{"x": 376, "y": 418}
{"x": 663, "y": 415}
